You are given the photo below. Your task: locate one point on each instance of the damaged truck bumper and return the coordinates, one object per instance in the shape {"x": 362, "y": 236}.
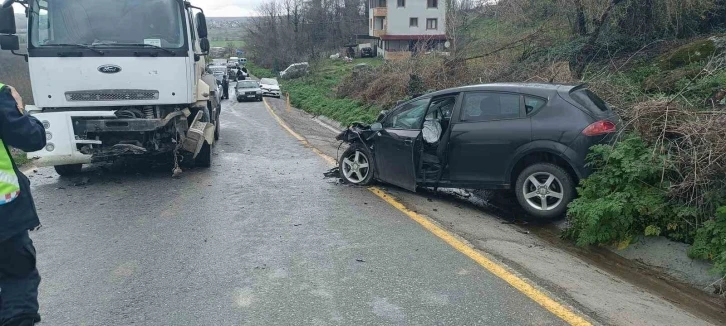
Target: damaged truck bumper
{"x": 82, "y": 137}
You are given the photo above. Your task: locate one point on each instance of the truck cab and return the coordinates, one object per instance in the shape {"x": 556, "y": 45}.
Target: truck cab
{"x": 115, "y": 78}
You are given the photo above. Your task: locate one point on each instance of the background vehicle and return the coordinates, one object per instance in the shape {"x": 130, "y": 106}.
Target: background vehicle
{"x": 295, "y": 70}
{"x": 270, "y": 87}
{"x": 246, "y": 90}
{"x": 218, "y": 71}
{"x": 366, "y": 53}
{"x": 233, "y": 61}
{"x": 242, "y": 61}
{"x": 117, "y": 84}
{"x": 532, "y": 138}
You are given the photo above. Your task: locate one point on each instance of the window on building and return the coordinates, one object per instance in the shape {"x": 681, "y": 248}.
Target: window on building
{"x": 401, "y": 3}
{"x": 413, "y": 22}
{"x": 381, "y": 3}
{"x": 490, "y": 106}
{"x": 432, "y": 23}
{"x": 433, "y": 3}
{"x": 380, "y": 23}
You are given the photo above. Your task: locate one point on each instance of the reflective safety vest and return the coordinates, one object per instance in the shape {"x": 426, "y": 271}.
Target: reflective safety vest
{"x": 9, "y": 184}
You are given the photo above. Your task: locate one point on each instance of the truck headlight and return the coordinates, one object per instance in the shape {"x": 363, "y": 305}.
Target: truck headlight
{"x": 46, "y": 124}
{"x": 48, "y": 136}
{"x": 50, "y": 147}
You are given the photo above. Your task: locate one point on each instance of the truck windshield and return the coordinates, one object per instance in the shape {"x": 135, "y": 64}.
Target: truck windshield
{"x": 89, "y": 22}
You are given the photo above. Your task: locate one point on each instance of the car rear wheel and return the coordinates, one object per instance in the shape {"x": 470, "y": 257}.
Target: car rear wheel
{"x": 544, "y": 190}
{"x": 356, "y": 166}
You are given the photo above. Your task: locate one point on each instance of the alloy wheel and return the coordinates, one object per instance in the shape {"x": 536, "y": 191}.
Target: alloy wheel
{"x": 543, "y": 191}
{"x": 356, "y": 167}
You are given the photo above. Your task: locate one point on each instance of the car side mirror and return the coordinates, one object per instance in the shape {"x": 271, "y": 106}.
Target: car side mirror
{"x": 204, "y": 45}
{"x": 382, "y": 115}
{"x": 201, "y": 25}
{"x": 377, "y": 126}
{"x": 7, "y": 19}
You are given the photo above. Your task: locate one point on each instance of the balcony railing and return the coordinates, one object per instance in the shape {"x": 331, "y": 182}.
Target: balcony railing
{"x": 380, "y": 12}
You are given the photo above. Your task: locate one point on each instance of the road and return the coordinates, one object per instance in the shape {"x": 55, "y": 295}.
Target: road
{"x": 282, "y": 245}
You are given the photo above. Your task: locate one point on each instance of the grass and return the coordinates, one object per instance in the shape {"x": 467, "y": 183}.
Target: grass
{"x": 315, "y": 93}
{"x": 223, "y": 44}
{"x": 19, "y": 157}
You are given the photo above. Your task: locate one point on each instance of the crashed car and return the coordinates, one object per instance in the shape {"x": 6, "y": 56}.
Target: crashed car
{"x": 530, "y": 138}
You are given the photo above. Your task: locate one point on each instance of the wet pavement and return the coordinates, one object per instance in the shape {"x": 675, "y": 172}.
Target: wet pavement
{"x": 261, "y": 238}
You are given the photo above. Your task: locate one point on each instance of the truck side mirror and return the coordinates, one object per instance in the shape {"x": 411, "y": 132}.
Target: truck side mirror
{"x": 204, "y": 45}
{"x": 7, "y": 19}
{"x": 7, "y": 3}
{"x": 9, "y": 42}
{"x": 201, "y": 25}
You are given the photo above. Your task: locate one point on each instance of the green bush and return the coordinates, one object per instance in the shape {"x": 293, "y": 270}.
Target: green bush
{"x": 624, "y": 196}
{"x": 710, "y": 242}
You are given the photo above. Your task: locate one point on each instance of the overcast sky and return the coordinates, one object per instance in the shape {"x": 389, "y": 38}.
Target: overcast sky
{"x": 228, "y": 8}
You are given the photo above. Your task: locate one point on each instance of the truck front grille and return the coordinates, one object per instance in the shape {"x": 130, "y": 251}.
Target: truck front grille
{"x": 112, "y": 95}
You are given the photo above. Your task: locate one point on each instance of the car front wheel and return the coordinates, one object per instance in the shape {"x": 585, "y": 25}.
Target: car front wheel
{"x": 544, "y": 190}
{"x": 356, "y": 166}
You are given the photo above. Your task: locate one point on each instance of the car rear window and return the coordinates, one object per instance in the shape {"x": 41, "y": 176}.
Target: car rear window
{"x": 589, "y": 100}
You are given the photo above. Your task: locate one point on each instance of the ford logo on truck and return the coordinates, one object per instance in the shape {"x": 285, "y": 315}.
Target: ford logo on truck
{"x": 109, "y": 69}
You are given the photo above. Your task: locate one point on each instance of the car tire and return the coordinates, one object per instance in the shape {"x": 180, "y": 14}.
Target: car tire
{"x": 68, "y": 170}
{"x": 554, "y": 186}
{"x": 363, "y": 156}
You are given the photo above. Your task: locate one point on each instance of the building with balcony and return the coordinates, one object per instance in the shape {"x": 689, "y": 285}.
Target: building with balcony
{"x": 401, "y": 28}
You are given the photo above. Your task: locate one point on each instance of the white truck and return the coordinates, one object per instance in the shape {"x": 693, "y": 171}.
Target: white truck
{"x": 116, "y": 78}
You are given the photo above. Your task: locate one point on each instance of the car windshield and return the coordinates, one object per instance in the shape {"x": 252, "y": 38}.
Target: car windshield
{"x": 88, "y": 22}
{"x": 268, "y": 81}
{"x": 247, "y": 84}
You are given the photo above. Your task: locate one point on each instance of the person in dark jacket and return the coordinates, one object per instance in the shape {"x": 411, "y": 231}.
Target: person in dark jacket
{"x": 19, "y": 278}
{"x": 225, "y": 88}
{"x": 240, "y": 75}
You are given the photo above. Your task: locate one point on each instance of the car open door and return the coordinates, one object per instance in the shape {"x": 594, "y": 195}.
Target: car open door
{"x": 395, "y": 152}
{"x": 397, "y": 146}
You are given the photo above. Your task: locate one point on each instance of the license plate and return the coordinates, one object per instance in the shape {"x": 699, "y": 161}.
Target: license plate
{"x": 250, "y": 96}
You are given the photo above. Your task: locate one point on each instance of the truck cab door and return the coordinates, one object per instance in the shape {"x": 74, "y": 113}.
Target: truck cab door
{"x": 397, "y": 145}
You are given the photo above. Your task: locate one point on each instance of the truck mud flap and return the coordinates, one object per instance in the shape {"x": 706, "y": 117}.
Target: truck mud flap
{"x": 198, "y": 133}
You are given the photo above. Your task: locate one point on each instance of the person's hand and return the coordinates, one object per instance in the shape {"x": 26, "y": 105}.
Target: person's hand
{"x": 18, "y": 99}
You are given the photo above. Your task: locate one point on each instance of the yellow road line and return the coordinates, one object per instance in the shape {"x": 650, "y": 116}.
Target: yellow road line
{"x": 302, "y": 139}
{"x": 498, "y": 270}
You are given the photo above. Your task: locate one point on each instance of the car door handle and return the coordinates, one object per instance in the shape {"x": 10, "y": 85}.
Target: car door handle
{"x": 408, "y": 141}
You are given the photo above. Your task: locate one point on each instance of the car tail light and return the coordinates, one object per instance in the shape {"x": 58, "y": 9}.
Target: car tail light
{"x": 600, "y": 128}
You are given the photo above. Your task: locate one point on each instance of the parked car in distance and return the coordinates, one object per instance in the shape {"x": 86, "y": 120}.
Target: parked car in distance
{"x": 247, "y": 90}
{"x": 295, "y": 70}
{"x": 270, "y": 87}
{"x": 366, "y": 52}
{"x": 530, "y": 138}
{"x": 243, "y": 61}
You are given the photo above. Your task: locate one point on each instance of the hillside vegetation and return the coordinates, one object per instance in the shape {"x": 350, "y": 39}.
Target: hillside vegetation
{"x": 660, "y": 63}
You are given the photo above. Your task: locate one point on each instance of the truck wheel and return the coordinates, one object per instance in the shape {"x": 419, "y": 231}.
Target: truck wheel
{"x": 68, "y": 170}
{"x": 204, "y": 159}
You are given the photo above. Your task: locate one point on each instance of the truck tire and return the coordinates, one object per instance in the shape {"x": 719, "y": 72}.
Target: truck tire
{"x": 204, "y": 159}
{"x": 68, "y": 170}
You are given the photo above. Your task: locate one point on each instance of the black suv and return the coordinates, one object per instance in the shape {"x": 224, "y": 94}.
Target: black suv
{"x": 532, "y": 138}
{"x": 366, "y": 52}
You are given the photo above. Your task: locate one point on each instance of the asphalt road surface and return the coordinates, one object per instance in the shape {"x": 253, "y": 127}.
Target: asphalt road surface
{"x": 261, "y": 238}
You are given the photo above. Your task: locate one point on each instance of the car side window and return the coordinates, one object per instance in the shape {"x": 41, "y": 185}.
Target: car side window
{"x": 409, "y": 116}
{"x": 490, "y": 106}
{"x": 533, "y": 104}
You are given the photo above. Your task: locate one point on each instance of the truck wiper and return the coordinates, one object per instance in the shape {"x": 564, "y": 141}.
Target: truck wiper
{"x": 83, "y": 46}
{"x": 139, "y": 44}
